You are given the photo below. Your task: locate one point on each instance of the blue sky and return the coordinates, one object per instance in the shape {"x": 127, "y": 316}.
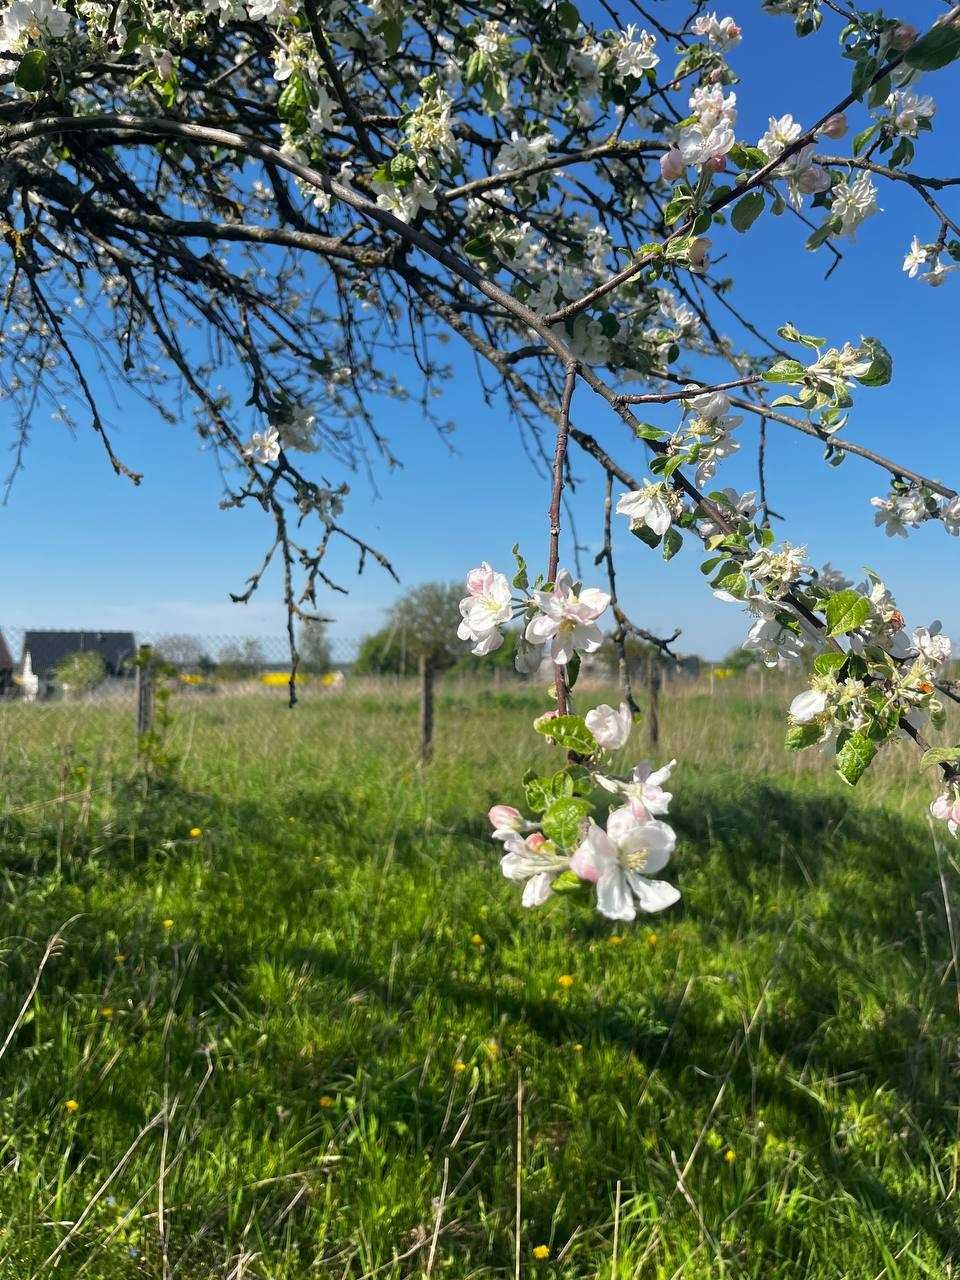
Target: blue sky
{"x": 83, "y": 548}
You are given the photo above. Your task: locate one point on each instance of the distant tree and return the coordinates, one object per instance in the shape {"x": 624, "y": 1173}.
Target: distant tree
{"x": 182, "y": 651}
{"x": 81, "y": 672}
{"x": 425, "y": 621}
{"x": 241, "y": 658}
{"x": 314, "y": 645}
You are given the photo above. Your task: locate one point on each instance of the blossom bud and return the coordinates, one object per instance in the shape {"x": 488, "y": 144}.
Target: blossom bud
{"x": 815, "y": 178}
{"x": 903, "y": 36}
{"x": 535, "y": 839}
{"x": 504, "y": 817}
{"x": 698, "y": 253}
{"x": 835, "y": 127}
{"x": 672, "y": 165}
{"x": 718, "y": 163}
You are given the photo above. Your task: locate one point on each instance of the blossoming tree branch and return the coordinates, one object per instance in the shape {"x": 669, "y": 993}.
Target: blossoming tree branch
{"x": 282, "y": 194}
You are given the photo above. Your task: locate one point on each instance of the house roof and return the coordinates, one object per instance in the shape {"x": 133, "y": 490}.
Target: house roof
{"x": 6, "y": 662}
{"x": 48, "y": 649}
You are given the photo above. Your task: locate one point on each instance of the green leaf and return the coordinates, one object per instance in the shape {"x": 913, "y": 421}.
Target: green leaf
{"x": 675, "y": 209}
{"x": 563, "y": 819}
{"x": 854, "y": 756}
{"x": 734, "y": 582}
{"x": 645, "y": 534}
{"x": 801, "y": 736}
{"x": 542, "y": 792}
{"x": 861, "y": 139}
{"x": 879, "y": 92}
{"x": 647, "y": 432}
{"x": 569, "y": 15}
{"x": 521, "y": 579}
{"x": 785, "y": 370}
{"x": 845, "y": 611}
{"x": 935, "y": 49}
{"x": 747, "y": 211}
{"x": 828, "y": 664}
{"x": 863, "y": 73}
{"x": 672, "y": 542}
{"x": 32, "y": 72}
{"x": 881, "y": 367}
{"x": 569, "y": 732}
{"x": 820, "y": 236}
{"x": 745, "y": 157}
{"x": 939, "y": 755}
{"x": 568, "y": 882}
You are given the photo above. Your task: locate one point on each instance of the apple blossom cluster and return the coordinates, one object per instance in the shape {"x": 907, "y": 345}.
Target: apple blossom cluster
{"x": 928, "y": 258}
{"x": 564, "y": 850}
{"x": 559, "y": 618}
{"x": 907, "y": 506}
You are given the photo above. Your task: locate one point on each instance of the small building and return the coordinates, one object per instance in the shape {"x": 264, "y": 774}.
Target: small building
{"x": 44, "y": 651}
{"x": 6, "y": 667}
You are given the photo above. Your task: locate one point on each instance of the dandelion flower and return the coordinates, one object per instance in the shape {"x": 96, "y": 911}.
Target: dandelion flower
{"x": 106, "y": 1012}
{"x": 459, "y": 1066}
{"x": 566, "y": 980}
{"x": 326, "y": 1101}
{"x": 477, "y": 940}
{"x": 120, "y": 958}
{"x": 167, "y": 924}
{"x": 541, "y": 1252}
{"x": 651, "y": 939}
{"x": 615, "y": 940}
{"x": 72, "y": 1105}
{"x": 196, "y": 833}
{"x": 578, "y": 1048}
{"x": 729, "y": 1155}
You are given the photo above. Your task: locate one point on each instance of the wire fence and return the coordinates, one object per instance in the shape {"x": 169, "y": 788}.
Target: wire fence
{"x": 120, "y": 678}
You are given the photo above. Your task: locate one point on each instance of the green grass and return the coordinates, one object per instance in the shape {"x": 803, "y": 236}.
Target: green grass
{"x": 313, "y": 1070}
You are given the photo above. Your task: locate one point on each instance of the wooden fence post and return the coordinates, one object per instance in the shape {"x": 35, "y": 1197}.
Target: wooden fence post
{"x": 144, "y": 690}
{"x": 426, "y": 708}
{"x": 653, "y": 685}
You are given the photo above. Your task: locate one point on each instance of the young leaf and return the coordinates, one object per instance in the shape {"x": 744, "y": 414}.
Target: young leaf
{"x": 854, "y": 756}
{"x": 939, "y": 755}
{"x": 846, "y": 610}
{"x": 747, "y": 211}
{"x": 32, "y": 72}
{"x": 569, "y": 732}
{"x": 881, "y": 367}
{"x": 785, "y": 370}
{"x": 828, "y": 664}
{"x": 562, "y": 821}
{"x": 801, "y": 736}
{"x": 934, "y": 50}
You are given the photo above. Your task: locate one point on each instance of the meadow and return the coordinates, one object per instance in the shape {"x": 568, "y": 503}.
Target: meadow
{"x": 277, "y": 1015}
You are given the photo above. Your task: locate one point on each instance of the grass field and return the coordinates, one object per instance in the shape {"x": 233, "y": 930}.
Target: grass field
{"x": 302, "y": 1042}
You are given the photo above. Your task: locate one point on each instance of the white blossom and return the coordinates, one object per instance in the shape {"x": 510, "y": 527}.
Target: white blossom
{"x": 567, "y": 618}
{"x": 484, "y": 609}
{"x": 263, "y": 446}
{"x": 932, "y": 643}
{"x": 618, "y": 861}
{"x": 853, "y": 203}
{"x": 635, "y": 53}
{"x": 532, "y": 863}
{"x": 610, "y": 727}
{"x": 646, "y": 506}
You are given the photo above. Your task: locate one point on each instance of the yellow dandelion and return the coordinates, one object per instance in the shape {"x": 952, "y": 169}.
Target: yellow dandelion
{"x": 196, "y": 833}
{"x": 651, "y": 939}
{"x": 459, "y": 1066}
{"x": 615, "y": 940}
{"x": 477, "y": 940}
{"x": 106, "y": 1012}
{"x": 493, "y": 1048}
{"x": 72, "y": 1105}
{"x": 729, "y": 1155}
{"x": 578, "y": 1048}
{"x": 326, "y": 1101}
{"x": 120, "y": 957}
{"x": 566, "y": 980}
{"x": 541, "y": 1252}
{"x": 167, "y": 924}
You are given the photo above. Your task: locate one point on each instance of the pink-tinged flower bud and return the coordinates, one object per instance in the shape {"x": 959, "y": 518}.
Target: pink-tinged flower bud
{"x": 903, "y": 36}
{"x": 535, "y": 839}
{"x": 504, "y": 817}
{"x": 835, "y": 127}
{"x": 716, "y": 76}
{"x": 815, "y": 178}
{"x": 718, "y": 163}
{"x": 699, "y": 251}
{"x": 672, "y": 165}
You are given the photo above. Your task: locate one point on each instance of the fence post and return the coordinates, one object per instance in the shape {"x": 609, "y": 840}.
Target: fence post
{"x": 426, "y": 708}
{"x": 653, "y": 685}
{"x": 144, "y": 690}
